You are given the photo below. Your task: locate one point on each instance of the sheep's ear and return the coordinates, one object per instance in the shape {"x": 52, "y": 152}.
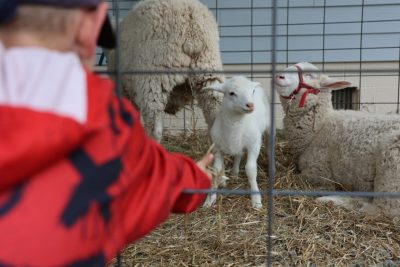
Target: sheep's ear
{"x": 333, "y": 84}
{"x": 215, "y": 86}
{"x": 255, "y": 84}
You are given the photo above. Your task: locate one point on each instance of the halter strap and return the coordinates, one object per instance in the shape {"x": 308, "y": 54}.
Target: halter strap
{"x": 302, "y": 85}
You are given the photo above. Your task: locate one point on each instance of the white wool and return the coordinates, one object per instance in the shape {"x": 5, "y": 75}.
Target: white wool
{"x": 358, "y": 150}
{"x": 169, "y": 35}
{"x": 236, "y": 130}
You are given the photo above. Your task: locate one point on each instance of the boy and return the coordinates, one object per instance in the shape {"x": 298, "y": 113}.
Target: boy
{"x": 79, "y": 179}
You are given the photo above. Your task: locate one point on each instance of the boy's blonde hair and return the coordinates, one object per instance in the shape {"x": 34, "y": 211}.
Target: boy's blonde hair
{"x": 43, "y": 19}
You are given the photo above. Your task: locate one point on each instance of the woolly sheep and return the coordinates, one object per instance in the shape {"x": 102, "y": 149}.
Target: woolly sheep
{"x": 166, "y": 36}
{"x": 356, "y": 149}
{"x": 239, "y": 125}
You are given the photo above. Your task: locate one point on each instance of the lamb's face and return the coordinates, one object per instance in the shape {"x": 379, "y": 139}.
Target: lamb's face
{"x": 302, "y": 80}
{"x": 288, "y": 80}
{"x": 238, "y": 94}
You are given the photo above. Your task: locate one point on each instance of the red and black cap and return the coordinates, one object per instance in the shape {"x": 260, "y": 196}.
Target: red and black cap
{"x": 106, "y": 38}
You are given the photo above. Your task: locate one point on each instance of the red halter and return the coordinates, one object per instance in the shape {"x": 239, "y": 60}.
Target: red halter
{"x": 302, "y": 84}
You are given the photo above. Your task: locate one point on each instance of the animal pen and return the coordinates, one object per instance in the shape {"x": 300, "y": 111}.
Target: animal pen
{"x": 355, "y": 40}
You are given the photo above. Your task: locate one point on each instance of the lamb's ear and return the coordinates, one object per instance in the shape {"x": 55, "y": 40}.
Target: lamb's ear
{"x": 216, "y": 86}
{"x": 333, "y": 84}
{"x": 255, "y": 84}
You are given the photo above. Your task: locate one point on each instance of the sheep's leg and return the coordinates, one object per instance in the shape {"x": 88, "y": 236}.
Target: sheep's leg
{"x": 150, "y": 93}
{"x": 387, "y": 175}
{"x": 251, "y": 172}
{"x": 386, "y": 180}
{"x": 350, "y": 203}
{"x": 219, "y": 168}
{"x": 313, "y": 171}
{"x": 153, "y": 122}
{"x": 236, "y": 165}
{"x": 209, "y": 102}
{"x": 158, "y": 126}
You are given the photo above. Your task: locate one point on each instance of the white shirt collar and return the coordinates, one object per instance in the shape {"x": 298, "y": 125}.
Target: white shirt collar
{"x": 43, "y": 80}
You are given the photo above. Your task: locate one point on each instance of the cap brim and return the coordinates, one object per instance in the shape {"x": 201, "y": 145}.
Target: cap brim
{"x": 107, "y": 37}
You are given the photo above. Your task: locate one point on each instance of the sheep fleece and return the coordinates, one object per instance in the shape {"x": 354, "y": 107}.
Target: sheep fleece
{"x": 356, "y": 149}
{"x": 167, "y": 35}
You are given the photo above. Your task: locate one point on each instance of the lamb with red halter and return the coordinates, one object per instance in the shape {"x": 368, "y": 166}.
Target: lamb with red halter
{"x": 358, "y": 149}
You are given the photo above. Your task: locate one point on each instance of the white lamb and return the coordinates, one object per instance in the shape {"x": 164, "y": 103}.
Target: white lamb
{"x": 243, "y": 118}
{"x": 357, "y": 149}
{"x": 175, "y": 36}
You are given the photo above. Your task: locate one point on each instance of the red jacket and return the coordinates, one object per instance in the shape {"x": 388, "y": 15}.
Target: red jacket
{"x": 75, "y": 194}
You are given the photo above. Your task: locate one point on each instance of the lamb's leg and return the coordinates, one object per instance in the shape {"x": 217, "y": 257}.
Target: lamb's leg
{"x": 387, "y": 175}
{"x": 219, "y": 168}
{"x": 251, "y": 172}
{"x": 236, "y": 165}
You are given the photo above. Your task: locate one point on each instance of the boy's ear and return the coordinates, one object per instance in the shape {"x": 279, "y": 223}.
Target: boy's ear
{"x": 91, "y": 22}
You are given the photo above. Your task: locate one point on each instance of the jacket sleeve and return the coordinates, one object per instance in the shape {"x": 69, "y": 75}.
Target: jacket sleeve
{"x": 154, "y": 181}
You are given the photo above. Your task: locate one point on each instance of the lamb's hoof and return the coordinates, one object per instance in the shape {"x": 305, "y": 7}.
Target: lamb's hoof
{"x": 256, "y": 202}
{"x": 257, "y": 205}
{"x": 210, "y": 200}
{"x": 235, "y": 173}
{"x": 223, "y": 181}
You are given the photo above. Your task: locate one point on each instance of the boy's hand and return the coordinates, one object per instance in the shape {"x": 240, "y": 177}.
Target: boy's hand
{"x": 88, "y": 63}
{"x": 204, "y": 162}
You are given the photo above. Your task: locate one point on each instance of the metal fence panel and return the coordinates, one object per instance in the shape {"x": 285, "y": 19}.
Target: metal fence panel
{"x": 267, "y": 33}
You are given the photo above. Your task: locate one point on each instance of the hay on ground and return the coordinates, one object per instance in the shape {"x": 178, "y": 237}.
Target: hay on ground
{"x": 305, "y": 233}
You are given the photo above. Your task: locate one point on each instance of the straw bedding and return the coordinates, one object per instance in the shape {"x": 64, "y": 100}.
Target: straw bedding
{"x": 233, "y": 234}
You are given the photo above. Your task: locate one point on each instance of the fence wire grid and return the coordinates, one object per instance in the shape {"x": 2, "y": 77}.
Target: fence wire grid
{"x": 356, "y": 39}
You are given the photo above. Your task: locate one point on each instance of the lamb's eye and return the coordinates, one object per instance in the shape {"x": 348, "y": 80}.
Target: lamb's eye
{"x": 232, "y": 94}
{"x": 308, "y": 75}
